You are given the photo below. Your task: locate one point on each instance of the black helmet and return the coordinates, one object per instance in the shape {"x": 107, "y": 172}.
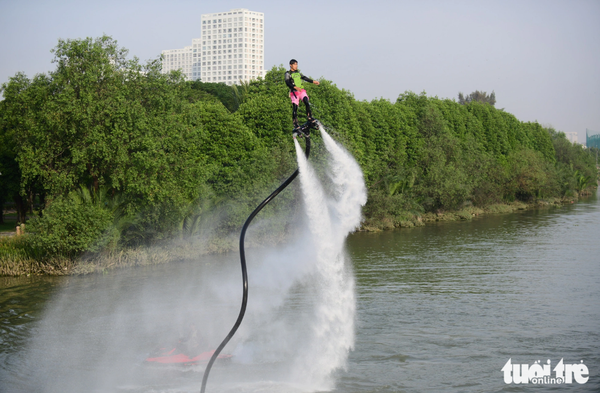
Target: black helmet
{"x": 293, "y": 61}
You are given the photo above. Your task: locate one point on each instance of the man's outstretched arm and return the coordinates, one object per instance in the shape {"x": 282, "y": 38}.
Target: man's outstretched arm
{"x": 306, "y": 78}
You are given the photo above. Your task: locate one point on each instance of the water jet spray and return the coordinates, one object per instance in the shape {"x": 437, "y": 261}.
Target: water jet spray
{"x": 304, "y": 132}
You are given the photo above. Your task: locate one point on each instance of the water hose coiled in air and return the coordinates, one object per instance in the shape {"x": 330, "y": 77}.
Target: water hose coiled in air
{"x": 243, "y": 262}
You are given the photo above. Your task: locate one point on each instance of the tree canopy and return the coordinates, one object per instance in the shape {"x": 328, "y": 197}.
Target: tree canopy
{"x": 479, "y": 96}
{"x": 156, "y": 150}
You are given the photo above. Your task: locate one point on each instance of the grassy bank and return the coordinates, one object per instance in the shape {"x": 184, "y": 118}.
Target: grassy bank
{"x": 18, "y": 258}
{"x": 18, "y": 255}
{"x": 465, "y": 214}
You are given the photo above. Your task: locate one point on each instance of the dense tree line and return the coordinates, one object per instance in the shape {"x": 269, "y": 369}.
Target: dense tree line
{"x": 105, "y": 152}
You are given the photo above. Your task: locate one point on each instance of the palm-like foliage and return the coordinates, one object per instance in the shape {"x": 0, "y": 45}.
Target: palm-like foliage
{"x": 583, "y": 182}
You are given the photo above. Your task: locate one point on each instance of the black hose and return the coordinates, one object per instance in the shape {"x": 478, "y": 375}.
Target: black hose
{"x": 244, "y": 270}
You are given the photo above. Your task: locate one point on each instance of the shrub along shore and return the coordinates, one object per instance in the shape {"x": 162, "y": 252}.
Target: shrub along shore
{"x": 15, "y": 263}
{"x": 116, "y": 163}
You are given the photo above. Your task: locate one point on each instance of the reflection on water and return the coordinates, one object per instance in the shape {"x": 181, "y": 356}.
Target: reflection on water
{"x": 440, "y": 308}
{"x": 21, "y": 301}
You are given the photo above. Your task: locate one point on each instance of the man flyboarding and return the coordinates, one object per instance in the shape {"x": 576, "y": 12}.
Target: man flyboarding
{"x": 293, "y": 79}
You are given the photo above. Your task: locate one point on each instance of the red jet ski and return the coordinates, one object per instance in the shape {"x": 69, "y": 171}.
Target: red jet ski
{"x": 174, "y": 356}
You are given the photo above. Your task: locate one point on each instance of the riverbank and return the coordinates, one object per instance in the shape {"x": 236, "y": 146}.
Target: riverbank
{"x": 465, "y": 214}
{"x": 457, "y": 299}
{"x": 16, "y": 260}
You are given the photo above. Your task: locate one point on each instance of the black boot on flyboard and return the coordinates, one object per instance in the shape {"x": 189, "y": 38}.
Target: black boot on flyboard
{"x": 303, "y": 130}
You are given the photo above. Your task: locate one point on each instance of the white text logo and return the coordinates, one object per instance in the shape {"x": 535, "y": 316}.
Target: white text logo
{"x": 538, "y": 374}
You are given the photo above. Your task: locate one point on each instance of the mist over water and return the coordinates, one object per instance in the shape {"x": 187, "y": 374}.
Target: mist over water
{"x": 299, "y": 325}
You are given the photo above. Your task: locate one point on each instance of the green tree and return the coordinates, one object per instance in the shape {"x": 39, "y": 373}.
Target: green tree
{"x": 70, "y": 225}
{"x": 147, "y": 154}
{"x": 225, "y": 94}
{"x": 477, "y": 96}
{"x": 100, "y": 119}
{"x": 19, "y": 111}
{"x": 528, "y": 175}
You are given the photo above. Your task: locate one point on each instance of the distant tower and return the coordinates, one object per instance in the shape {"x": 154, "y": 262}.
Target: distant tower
{"x": 233, "y": 46}
{"x": 231, "y": 49}
{"x": 572, "y": 137}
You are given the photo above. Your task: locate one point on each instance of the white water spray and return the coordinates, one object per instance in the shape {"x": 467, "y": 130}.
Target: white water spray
{"x": 331, "y": 219}
{"x": 299, "y": 326}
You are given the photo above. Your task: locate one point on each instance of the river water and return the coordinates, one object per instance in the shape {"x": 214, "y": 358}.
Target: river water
{"x": 440, "y": 308}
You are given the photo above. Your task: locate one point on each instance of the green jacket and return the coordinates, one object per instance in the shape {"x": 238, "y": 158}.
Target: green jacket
{"x": 295, "y": 78}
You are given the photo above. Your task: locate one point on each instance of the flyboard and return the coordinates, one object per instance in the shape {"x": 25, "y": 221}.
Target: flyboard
{"x": 174, "y": 356}
{"x": 303, "y": 131}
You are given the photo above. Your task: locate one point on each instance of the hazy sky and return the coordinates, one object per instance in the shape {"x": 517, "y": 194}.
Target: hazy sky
{"x": 541, "y": 57}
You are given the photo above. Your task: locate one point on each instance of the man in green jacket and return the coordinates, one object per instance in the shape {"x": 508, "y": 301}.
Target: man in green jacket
{"x": 293, "y": 79}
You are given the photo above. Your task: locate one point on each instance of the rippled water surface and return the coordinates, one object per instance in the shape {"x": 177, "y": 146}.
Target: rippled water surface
{"x": 439, "y": 308}
{"x": 443, "y": 308}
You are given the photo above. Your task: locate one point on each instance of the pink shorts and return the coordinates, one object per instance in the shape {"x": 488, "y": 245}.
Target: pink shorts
{"x": 298, "y": 96}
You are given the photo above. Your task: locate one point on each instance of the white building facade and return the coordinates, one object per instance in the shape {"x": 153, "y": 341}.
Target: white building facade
{"x": 178, "y": 59}
{"x": 231, "y": 49}
{"x": 572, "y": 137}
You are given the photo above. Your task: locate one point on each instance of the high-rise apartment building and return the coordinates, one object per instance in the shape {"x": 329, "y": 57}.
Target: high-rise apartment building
{"x": 572, "y": 137}
{"x": 231, "y": 49}
{"x": 175, "y": 59}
